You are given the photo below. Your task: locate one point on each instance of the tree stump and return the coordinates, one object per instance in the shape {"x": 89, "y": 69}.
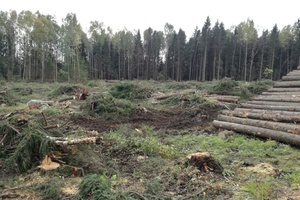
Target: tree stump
{"x": 204, "y": 162}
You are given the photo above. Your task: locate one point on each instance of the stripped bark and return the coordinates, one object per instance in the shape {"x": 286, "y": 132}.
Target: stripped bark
{"x": 261, "y": 132}
{"x": 278, "y": 126}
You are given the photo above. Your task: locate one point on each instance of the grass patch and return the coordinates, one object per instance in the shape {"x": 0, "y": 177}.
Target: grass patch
{"x": 50, "y": 189}
{"x": 144, "y": 142}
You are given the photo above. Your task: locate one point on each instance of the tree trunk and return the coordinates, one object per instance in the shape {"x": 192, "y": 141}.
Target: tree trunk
{"x": 214, "y": 64}
{"x": 240, "y": 61}
{"x": 261, "y": 62}
{"x": 272, "y": 61}
{"x": 262, "y": 132}
{"x": 43, "y": 63}
{"x": 204, "y": 63}
{"x": 245, "y": 63}
{"x": 219, "y": 65}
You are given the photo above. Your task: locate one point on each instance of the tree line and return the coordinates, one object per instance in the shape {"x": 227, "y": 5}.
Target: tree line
{"x": 34, "y": 47}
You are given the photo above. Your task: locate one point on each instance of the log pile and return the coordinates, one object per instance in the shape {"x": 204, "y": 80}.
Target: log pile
{"x": 275, "y": 114}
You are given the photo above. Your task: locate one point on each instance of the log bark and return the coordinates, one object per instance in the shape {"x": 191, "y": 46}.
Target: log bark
{"x": 278, "y": 126}
{"x": 287, "y": 84}
{"x": 271, "y": 107}
{"x": 268, "y": 116}
{"x": 280, "y": 136}
{"x": 293, "y": 98}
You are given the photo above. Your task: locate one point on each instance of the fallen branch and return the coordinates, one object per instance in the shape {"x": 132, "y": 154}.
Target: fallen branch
{"x": 66, "y": 99}
{"x": 51, "y": 126}
{"x": 44, "y": 117}
{"x": 68, "y": 141}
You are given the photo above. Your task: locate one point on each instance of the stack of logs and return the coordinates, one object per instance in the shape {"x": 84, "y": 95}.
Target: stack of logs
{"x": 274, "y": 114}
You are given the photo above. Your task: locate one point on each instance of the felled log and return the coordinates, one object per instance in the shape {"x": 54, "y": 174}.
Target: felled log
{"x": 277, "y": 103}
{"x": 272, "y": 112}
{"x": 204, "y": 162}
{"x": 294, "y": 72}
{"x": 294, "y": 77}
{"x": 278, "y": 126}
{"x": 271, "y": 107}
{"x": 287, "y": 98}
{"x": 287, "y": 84}
{"x": 280, "y": 136}
{"x": 281, "y": 93}
{"x": 284, "y": 90}
{"x": 268, "y": 116}
{"x": 185, "y": 92}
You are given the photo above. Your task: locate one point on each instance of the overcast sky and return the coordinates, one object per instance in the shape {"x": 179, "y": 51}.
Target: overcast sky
{"x": 184, "y": 14}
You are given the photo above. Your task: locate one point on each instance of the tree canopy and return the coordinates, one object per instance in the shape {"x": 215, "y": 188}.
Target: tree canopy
{"x": 34, "y": 47}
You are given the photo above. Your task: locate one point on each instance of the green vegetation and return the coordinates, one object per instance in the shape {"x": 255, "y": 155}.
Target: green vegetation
{"x": 51, "y": 189}
{"x": 108, "y": 107}
{"x": 143, "y": 142}
{"x": 136, "y": 159}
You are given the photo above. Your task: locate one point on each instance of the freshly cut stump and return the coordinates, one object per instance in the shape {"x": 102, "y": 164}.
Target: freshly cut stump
{"x": 204, "y": 162}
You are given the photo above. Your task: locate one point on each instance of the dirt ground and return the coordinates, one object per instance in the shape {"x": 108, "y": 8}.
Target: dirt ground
{"x": 178, "y": 118}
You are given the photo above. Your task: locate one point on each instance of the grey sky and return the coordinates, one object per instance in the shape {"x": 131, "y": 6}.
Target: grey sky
{"x": 185, "y": 14}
